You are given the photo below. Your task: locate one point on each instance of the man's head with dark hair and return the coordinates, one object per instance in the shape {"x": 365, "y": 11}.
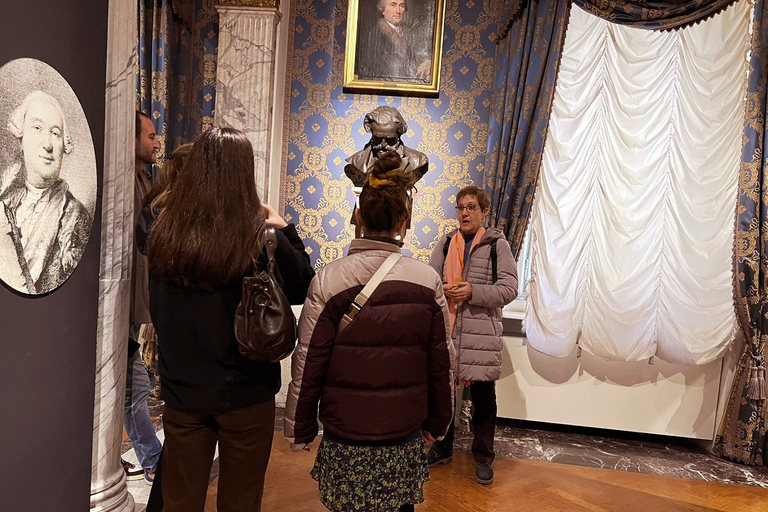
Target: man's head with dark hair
{"x": 147, "y": 144}
{"x": 139, "y": 116}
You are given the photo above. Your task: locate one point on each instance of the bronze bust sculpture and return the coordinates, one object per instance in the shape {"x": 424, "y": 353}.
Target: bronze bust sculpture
{"x": 386, "y": 126}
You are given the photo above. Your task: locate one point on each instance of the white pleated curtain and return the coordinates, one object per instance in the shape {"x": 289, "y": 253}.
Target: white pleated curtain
{"x": 633, "y": 224}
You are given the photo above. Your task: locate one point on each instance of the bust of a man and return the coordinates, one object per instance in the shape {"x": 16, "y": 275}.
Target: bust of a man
{"x": 386, "y": 126}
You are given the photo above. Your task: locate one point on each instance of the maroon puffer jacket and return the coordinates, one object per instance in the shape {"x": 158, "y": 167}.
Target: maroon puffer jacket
{"x": 387, "y": 374}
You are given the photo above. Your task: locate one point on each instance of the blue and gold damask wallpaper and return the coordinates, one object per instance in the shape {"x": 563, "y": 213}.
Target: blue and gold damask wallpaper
{"x": 325, "y": 125}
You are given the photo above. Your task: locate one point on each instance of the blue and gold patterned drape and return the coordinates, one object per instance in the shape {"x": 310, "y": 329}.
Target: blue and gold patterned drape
{"x": 527, "y": 60}
{"x": 654, "y": 15}
{"x": 176, "y": 75}
{"x": 742, "y": 435}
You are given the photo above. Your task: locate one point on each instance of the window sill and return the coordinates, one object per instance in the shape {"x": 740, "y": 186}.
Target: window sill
{"x": 512, "y": 316}
{"x": 515, "y": 310}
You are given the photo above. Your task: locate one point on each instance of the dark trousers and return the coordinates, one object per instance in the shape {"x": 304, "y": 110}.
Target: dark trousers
{"x": 155, "y": 502}
{"x": 245, "y": 441}
{"x": 483, "y": 423}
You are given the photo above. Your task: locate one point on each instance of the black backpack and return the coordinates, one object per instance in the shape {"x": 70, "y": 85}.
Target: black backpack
{"x": 493, "y": 255}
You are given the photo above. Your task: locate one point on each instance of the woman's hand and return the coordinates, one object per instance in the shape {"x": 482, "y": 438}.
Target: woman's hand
{"x": 273, "y": 219}
{"x": 297, "y": 447}
{"x": 427, "y": 437}
{"x": 458, "y": 292}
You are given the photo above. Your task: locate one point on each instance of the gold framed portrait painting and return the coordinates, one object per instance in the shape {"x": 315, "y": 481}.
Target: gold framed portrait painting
{"x": 394, "y": 45}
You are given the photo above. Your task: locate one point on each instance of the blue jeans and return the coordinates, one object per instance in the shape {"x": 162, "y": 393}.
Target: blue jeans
{"x": 137, "y": 422}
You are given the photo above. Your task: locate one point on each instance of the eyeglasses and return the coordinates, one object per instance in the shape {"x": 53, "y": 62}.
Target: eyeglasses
{"x": 471, "y": 208}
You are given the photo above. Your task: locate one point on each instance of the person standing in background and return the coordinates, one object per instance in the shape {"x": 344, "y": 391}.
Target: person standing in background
{"x": 202, "y": 245}
{"x": 137, "y": 421}
{"x": 153, "y": 203}
{"x": 480, "y": 277}
{"x": 384, "y": 384}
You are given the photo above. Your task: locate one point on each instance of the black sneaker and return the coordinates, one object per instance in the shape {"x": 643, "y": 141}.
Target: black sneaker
{"x": 131, "y": 472}
{"x": 435, "y": 459}
{"x": 484, "y": 473}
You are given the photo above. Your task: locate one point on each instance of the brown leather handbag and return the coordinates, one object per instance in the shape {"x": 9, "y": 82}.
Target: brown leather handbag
{"x": 265, "y": 326}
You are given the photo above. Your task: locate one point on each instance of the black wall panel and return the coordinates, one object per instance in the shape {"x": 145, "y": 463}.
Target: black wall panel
{"x": 48, "y": 342}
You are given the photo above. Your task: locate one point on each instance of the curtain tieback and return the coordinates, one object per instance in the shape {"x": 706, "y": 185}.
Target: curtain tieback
{"x": 756, "y": 388}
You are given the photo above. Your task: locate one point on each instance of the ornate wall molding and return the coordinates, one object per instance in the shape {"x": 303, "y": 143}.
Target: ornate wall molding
{"x": 250, "y": 3}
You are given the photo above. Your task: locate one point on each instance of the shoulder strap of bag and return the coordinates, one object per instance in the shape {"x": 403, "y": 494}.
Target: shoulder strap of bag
{"x": 494, "y": 257}
{"x": 270, "y": 242}
{"x": 368, "y": 290}
{"x": 446, "y": 246}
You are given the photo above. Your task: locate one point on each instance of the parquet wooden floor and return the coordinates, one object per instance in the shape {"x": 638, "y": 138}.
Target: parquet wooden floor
{"x": 520, "y": 485}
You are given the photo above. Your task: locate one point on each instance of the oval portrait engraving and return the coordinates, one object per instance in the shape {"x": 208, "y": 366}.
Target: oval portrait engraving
{"x": 47, "y": 177}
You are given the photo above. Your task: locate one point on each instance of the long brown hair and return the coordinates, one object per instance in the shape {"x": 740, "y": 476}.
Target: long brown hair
{"x": 211, "y": 227}
{"x": 384, "y": 198}
{"x": 166, "y": 178}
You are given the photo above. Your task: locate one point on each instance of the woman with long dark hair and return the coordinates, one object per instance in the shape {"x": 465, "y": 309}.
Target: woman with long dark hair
{"x": 153, "y": 202}
{"x": 204, "y": 242}
{"x": 383, "y": 382}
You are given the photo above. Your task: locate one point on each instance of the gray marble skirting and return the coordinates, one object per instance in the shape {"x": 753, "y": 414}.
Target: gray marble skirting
{"x": 636, "y": 453}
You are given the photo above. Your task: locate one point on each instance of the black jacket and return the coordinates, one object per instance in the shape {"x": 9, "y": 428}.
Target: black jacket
{"x": 200, "y": 365}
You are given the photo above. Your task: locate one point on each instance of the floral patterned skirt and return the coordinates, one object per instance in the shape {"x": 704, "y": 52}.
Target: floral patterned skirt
{"x": 370, "y": 478}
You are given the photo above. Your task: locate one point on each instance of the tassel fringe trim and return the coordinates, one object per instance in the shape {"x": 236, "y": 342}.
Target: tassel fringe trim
{"x": 756, "y": 388}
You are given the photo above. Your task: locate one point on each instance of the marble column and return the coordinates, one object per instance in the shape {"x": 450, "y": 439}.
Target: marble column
{"x": 108, "y": 488}
{"x": 245, "y": 76}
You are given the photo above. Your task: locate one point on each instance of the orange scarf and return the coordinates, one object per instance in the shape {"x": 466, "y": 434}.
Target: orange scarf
{"x": 454, "y": 266}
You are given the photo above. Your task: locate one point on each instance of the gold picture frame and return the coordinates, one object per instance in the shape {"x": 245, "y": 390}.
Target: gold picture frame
{"x": 394, "y": 45}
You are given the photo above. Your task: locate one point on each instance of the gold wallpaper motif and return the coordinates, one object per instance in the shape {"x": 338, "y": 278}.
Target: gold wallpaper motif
{"x": 325, "y": 125}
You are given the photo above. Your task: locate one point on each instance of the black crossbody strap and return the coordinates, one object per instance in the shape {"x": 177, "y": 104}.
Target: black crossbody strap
{"x": 494, "y": 263}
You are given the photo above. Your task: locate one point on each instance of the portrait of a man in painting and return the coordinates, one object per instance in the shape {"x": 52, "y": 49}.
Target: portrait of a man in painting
{"x": 394, "y": 44}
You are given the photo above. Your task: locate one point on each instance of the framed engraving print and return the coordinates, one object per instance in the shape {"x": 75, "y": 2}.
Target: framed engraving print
{"x": 48, "y": 177}
{"x": 394, "y": 45}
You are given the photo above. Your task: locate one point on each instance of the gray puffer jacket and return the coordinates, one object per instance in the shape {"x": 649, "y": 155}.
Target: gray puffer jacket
{"x": 478, "y": 330}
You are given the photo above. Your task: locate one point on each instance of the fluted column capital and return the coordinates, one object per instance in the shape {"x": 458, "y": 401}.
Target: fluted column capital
{"x": 273, "y": 4}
